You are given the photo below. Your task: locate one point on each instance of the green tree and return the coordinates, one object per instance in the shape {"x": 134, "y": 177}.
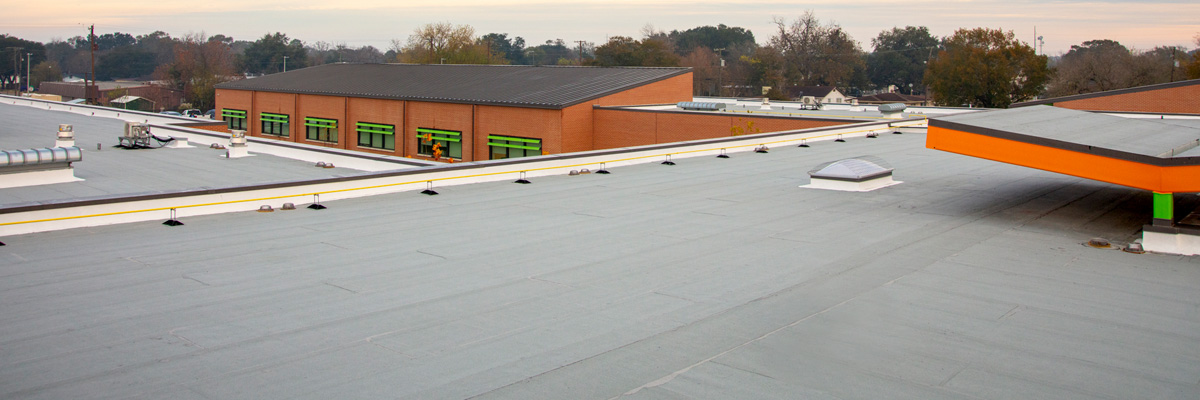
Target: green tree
{"x": 266, "y": 55}
{"x": 985, "y": 68}
{"x": 624, "y": 51}
{"x": 45, "y": 71}
{"x": 712, "y": 38}
{"x": 899, "y": 57}
{"x": 125, "y": 62}
{"x": 511, "y": 49}
{"x": 550, "y": 53}
{"x": 13, "y": 51}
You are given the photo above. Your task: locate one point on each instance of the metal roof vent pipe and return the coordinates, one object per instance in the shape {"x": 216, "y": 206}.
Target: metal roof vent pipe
{"x": 66, "y": 136}
{"x": 892, "y": 110}
{"x": 237, "y": 144}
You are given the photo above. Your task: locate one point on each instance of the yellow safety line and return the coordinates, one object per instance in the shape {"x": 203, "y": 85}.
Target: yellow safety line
{"x": 425, "y": 180}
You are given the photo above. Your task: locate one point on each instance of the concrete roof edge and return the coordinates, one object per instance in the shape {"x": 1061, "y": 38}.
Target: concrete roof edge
{"x": 1136, "y": 89}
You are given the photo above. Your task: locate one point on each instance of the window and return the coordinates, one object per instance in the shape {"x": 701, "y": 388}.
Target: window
{"x": 320, "y": 129}
{"x": 376, "y": 136}
{"x": 511, "y": 147}
{"x": 236, "y": 119}
{"x": 449, "y": 141}
{"x": 274, "y": 124}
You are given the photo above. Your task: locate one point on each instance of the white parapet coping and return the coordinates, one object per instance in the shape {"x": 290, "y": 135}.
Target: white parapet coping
{"x": 41, "y": 177}
{"x": 1171, "y": 243}
{"x": 34, "y": 218}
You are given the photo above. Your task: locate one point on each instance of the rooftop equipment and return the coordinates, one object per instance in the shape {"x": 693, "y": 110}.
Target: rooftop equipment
{"x": 858, "y": 174}
{"x": 700, "y": 106}
{"x": 29, "y": 167}
{"x": 137, "y": 136}
{"x": 65, "y": 137}
{"x": 892, "y": 110}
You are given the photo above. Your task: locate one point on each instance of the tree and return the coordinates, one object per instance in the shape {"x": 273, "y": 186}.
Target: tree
{"x": 624, "y": 51}
{"x": 1193, "y": 67}
{"x": 550, "y": 53}
{"x": 738, "y": 40}
{"x": 815, "y": 54}
{"x": 443, "y": 42}
{"x": 13, "y": 51}
{"x": 511, "y": 49}
{"x": 125, "y": 62}
{"x": 45, "y": 71}
{"x": 899, "y": 57}
{"x": 266, "y": 55}
{"x": 199, "y": 66}
{"x": 985, "y": 68}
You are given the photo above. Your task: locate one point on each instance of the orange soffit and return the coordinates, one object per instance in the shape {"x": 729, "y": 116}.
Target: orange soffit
{"x": 1159, "y": 174}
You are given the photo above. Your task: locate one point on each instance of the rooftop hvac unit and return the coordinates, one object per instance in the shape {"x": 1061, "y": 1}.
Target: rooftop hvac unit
{"x": 136, "y": 136}
{"x": 700, "y": 106}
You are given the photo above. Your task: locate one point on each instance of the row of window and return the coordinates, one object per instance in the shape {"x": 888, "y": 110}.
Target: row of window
{"x": 430, "y": 142}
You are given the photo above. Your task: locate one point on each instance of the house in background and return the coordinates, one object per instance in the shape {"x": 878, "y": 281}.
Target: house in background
{"x": 816, "y": 94}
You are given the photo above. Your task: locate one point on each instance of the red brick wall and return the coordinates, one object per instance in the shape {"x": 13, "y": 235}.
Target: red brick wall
{"x": 1183, "y": 100}
{"x": 275, "y": 103}
{"x": 375, "y": 111}
{"x": 622, "y": 128}
{"x": 531, "y": 123}
{"x": 445, "y": 116}
{"x": 670, "y": 90}
{"x": 327, "y": 107}
{"x": 578, "y": 127}
{"x": 235, "y": 99}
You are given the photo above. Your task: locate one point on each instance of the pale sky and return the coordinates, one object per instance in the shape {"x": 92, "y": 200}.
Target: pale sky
{"x": 1062, "y": 23}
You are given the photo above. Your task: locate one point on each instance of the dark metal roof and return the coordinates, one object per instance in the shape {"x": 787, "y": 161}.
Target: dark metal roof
{"x": 1136, "y": 89}
{"x": 507, "y": 85}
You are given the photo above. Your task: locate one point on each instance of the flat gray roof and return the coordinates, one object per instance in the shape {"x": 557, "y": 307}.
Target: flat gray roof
{"x": 1131, "y": 138}
{"x": 713, "y": 278}
{"x": 114, "y": 171}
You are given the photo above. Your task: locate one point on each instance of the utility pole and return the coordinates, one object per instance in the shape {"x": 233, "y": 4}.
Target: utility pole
{"x": 580, "y": 51}
{"x": 16, "y": 70}
{"x": 29, "y": 61}
{"x": 720, "y": 72}
{"x": 284, "y": 63}
{"x": 88, "y": 89}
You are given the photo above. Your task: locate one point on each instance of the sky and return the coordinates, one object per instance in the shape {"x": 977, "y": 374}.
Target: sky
{"x": 1061, "y": 23}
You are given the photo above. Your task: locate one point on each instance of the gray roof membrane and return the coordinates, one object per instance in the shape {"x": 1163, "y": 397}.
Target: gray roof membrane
{"x": 510, "y": 85}
{"x": 1143, "y": 137}
{"x": 855, "y": 169}
{"x": 713, "y": 278}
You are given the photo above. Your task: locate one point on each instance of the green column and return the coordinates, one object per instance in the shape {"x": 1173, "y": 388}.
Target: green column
{"x": 1164, "y": 207}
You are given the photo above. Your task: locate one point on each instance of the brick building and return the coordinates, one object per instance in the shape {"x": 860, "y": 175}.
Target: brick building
{"x": 471, "y": 112}
{"x": 1182, "y": 97}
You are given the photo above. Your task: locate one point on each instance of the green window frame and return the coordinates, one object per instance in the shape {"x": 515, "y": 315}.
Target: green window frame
{"x": 451, "y": 142}
{"x": 274, "y": 124}
{"x": 502, "y": 147}
{"x": 234, "y": 119}
{"x": 376, "y": 136}
{"x": 321, "y": 129}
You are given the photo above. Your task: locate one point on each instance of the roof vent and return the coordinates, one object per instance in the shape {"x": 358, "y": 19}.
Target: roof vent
{"x": 700, "y": 106}
{"x": 859, "y": 174}
{"x": 892, "y": 110}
